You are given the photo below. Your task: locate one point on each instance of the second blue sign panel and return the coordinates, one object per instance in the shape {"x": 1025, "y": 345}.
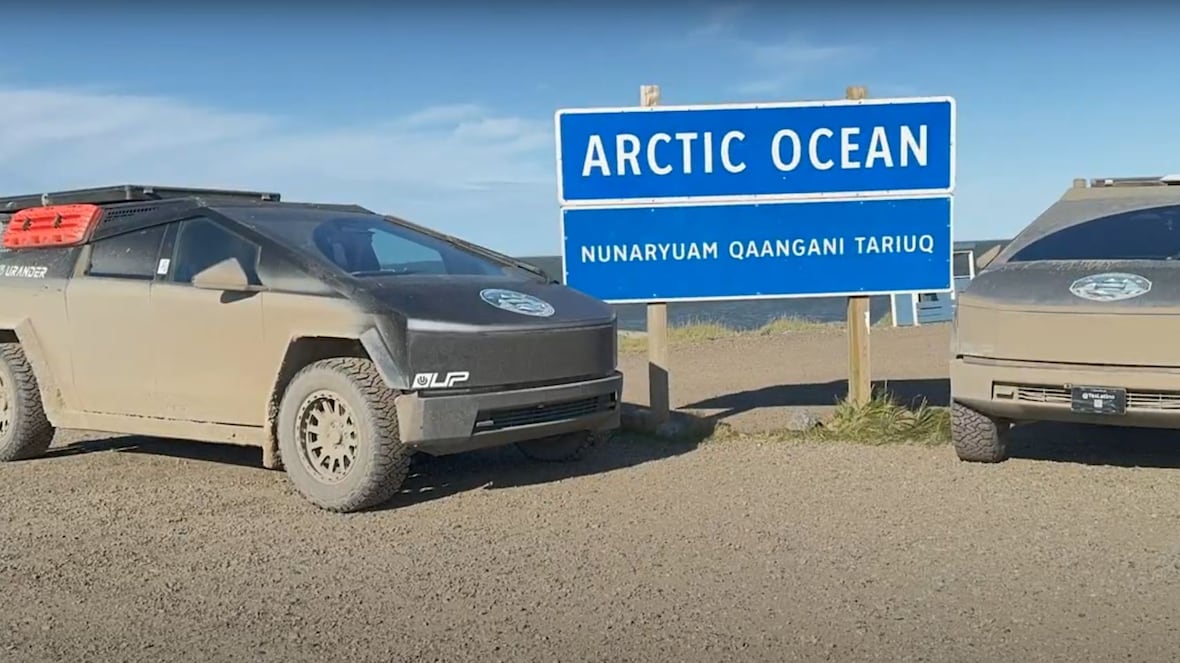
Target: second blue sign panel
{"x": 759, "y": 250}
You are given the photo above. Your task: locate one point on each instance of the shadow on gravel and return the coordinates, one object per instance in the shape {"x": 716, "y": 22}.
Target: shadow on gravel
{"x": 226, "y": 454}
{"x": 1096, "y": 445}
{"x": 935, "y": 391}
{"x": 431, "y": 477}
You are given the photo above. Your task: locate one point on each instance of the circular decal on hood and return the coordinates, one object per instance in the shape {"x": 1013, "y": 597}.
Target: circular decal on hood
{"x": 1110, "y": 287}
{"x": 517, "y": 302}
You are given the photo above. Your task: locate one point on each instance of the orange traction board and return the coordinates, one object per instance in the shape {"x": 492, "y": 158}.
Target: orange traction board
{"x": 52, "y": 225}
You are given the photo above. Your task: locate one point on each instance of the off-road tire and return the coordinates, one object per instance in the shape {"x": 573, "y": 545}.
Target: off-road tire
{"x": 382, "y": 461}
{"x": 28, "y": 433}
{"x": 976, "y": 437}
{"x": 562, "y": 448}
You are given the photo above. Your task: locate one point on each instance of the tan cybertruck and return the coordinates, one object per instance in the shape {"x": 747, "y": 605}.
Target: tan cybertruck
{"x": 338, "y": 340}
{"x": 1076, "y": 320}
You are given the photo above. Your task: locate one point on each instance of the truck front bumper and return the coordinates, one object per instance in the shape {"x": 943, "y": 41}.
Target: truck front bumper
{"x": 1041, "y": 391}
{"x": 441, "y": 424}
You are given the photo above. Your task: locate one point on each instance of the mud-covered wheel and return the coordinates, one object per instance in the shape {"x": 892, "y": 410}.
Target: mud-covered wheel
{"x": 338, "y": 435}
{"x": 562, "y": 448}
{"x": 977, "y": 437}
{"x": 25, "y": 431}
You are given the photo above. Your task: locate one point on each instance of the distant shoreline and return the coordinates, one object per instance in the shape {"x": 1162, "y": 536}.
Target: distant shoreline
{"x": 632, "y": 340}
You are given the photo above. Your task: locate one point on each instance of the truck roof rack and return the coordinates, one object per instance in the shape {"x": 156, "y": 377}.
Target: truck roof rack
{"x": 123, "y": 193}
{"x": 1152, "y": 180}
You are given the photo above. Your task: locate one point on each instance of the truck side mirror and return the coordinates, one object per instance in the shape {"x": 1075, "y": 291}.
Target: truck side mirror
{"x": 225, "y": 275}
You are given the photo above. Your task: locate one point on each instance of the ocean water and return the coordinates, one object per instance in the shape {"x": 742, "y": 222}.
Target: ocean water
{"x": 737, "y": 315}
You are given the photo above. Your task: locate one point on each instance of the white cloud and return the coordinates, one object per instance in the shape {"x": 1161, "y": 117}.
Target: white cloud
{"x": 796, "y": 53}
{"x": 721, "y": 20}
{"x": 440, "y": 165}
{"x": 771, "y": 67}
{"x": 775, "y": 67}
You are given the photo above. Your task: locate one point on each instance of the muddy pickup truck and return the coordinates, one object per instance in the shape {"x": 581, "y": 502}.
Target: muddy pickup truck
{"x": 1075, "y": 320}
{"x": 339, "y": 340}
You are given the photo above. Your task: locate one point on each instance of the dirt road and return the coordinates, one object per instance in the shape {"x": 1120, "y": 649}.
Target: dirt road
{"x": 132, "y": 550}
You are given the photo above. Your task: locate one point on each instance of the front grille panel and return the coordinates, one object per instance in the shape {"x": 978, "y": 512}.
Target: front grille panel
{"x": 542, "y": 413}
{"x": 1155, "y": 400}
{"x": 1137, "y": 399}
{"x": 1042, "y": 394}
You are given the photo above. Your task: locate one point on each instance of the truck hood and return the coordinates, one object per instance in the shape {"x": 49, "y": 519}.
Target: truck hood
{"x": 1080, "y": 287}
{"x": 485, "y": 304}
{"x": 1116, "y": 314}
{"x": 498, "y": 332}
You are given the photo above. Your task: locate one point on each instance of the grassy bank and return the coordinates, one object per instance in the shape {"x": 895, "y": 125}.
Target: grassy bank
{"x": 696, "y": 332}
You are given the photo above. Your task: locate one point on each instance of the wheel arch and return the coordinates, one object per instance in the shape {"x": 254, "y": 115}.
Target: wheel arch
{"x": 52, "y": 400}
{"x": 304, "y": 350}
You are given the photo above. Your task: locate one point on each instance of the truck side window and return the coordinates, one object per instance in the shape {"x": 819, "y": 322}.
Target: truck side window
{"x": 202, "y": 243}
{"x": 400, "y": 254}
{"x": 128, "y": 256}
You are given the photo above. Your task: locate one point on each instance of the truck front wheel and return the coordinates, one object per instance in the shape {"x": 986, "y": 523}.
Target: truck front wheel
{"x": 977, "y": 437}
{"x": 338, "y": 435}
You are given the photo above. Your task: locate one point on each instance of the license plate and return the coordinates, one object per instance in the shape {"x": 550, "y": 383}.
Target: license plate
{"x": 1098, "y": 400}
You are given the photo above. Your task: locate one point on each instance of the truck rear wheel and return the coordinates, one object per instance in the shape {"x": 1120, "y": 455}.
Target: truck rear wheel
{"x": 25, "y": 431}
{"x": 561, "y": 448}
{"x": 977, "y": 437}
{"x": 338, "y": 435}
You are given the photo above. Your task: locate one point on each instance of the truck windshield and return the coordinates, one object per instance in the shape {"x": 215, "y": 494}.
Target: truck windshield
{"x": 369, "y": 245}
{"x": 1145, "y": 234}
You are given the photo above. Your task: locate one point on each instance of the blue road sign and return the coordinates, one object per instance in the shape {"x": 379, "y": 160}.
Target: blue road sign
{"x": 817, "y": 248}
{"x": 740, "y": 152}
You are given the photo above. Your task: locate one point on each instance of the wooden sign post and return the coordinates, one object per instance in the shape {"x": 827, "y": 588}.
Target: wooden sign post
{"x": 658, "y": 381}
{"x": 860, "y": 376}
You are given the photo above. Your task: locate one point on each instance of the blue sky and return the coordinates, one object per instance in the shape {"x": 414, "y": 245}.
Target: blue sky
{"x": 446, "y": 116}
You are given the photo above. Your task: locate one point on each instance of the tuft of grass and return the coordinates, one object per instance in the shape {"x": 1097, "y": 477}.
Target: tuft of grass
{"x": 883, "y": 421}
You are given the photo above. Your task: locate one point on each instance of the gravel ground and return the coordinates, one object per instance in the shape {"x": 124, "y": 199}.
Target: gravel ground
{"x": 137, "y": 550}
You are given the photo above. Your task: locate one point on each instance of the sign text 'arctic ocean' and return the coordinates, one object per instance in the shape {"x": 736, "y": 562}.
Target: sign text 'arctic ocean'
{"x": 740, "y": 152}
{"x": 784, "y": 249}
